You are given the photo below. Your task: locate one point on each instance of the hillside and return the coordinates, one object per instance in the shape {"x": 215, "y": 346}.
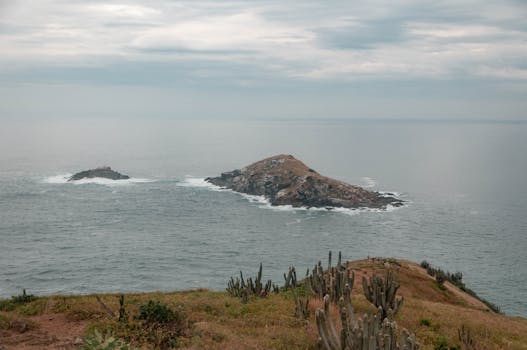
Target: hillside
{"x": 214, "y": 320}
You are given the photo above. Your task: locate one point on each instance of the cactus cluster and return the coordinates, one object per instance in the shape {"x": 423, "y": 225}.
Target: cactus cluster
{"x": 302, "y": 305}
{"x": 243, "y": 288}
{"x": 381, "y": 292}
{"x": 290, "y": 279}
{"x": 333, "y": 282}
{"x": 457, "y": 280}
{"x": 366, "y": 333}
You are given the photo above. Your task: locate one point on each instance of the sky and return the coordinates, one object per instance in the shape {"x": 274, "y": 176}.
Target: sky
{"x": 71, "y": 59}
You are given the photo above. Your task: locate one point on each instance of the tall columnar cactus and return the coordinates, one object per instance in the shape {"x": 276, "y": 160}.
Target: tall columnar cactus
{"x": 366, "y": 333}
{"x": 235, "y": 287}
{"x": 290, "y": 278}
{"x": 339, "y": 278}
{"x": 381, "y": 292}
{"x": 240, "y": 287}
{"x": 257, "y": 287}
{"x": 333, "y": 281}
{"x": 302, "y": 305}
{"x": 318, "y": 281}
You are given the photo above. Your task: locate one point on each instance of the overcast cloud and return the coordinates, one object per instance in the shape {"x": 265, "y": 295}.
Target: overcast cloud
{"x": 312, "y": 59}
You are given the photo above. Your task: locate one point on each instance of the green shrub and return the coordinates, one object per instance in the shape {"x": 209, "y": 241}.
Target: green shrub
{"x": 7, "y": 305}
{"x": 23, "y": 298}
{"x": 155, "y": 312}
{"x": 161, "y": 326}
{"x": 442, "y": 344}
{"x": 107, "y": 342}
{"x": 426, "y": 322}
{"x": 10, "y": 305}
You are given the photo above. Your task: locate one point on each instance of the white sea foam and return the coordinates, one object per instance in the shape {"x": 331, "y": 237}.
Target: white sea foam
{"x": 199, "y": 182}
{"x": 266, "y": 204}
{"x": 58, "y": 179}
{"x": 63, "y": 179}
{"x": 391, "y": 194}
{"x": 368, "y": 182}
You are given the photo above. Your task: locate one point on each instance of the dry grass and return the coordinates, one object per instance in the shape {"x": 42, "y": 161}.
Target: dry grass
{"x": 218, "y": 321}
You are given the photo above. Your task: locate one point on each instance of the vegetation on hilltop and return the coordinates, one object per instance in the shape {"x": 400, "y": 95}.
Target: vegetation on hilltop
{"x": 202, "y": 319}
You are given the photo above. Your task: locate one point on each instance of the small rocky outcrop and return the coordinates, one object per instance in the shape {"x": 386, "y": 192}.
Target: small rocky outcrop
{"x": 104, "y": 172}
{"x": 284, "y": 180}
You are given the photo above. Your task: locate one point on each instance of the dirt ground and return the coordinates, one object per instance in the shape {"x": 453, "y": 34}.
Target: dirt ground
{"x": 54, "y": 331}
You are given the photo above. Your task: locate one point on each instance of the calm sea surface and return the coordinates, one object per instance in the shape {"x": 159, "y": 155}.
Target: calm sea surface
{"x": 464, "y": 183}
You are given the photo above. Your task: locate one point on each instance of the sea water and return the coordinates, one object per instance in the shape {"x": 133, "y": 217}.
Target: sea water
{"x": 463, "y": 184}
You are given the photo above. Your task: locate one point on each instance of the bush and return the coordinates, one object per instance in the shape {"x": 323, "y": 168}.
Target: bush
{"x": 426, "y": 322}
{"x": 442, "y": 344}
{"x": 21, "y": 299}
{"x": 155, "y": 312}
{"x": 7, "y": 305}
{"x": 425, "y": 265}
{"x": 162, "y": 326}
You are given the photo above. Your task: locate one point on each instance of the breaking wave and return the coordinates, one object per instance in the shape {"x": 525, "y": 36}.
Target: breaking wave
{"x": 266, "y": 204}
{"x": 368, "y": 182}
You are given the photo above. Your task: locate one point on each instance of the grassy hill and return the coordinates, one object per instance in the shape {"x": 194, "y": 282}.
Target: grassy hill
{"x": 203, "y": 319}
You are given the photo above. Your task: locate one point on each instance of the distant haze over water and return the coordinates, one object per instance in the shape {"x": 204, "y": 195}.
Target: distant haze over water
{"x": 464, "y": 183}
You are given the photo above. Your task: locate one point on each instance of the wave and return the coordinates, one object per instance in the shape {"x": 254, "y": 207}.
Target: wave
{"x": 63, "y": 179}
{"x": 391, "y": 194}
{"x": 58, "y": 179}
{"x": 368, "y": 182}
{"x": 199, "y": 182}
{"x": 266, "y": 204}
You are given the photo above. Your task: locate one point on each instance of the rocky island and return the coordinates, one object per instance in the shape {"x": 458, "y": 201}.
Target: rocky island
{"x": 103, "y": 172}
{"x": 285, "y": 180}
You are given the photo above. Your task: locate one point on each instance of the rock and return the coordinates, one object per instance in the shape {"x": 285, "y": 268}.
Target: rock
{"x": 104, "y": 172}
{"x": 284, "y": 180}
{"x": 21, "y": 325}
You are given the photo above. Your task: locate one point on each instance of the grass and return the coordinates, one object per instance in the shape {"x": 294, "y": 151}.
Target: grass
{"x": 215, "y": 320}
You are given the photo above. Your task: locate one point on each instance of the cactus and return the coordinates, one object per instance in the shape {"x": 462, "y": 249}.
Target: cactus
{"x": 123, "y": 316}
{"x": 242, "y": 288}
{"x": 381, "y": 292}
{"x": 318, "y": 282}
{"x": 339, "y": 278}
{"x": 235, "y": 287}
{"x": 333, "y": 282}
{"x": 290, "y": 278}
{"x": 256, "y": 287}
{"x": 465, "y": 337}
{"x": 366, "y": 333}
{"x": 302, "y": 306}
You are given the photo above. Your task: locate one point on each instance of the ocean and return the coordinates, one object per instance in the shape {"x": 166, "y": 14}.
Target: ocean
{"x": 463, "y": 183}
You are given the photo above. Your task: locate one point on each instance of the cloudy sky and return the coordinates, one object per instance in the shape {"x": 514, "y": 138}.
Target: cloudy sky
{"x": 263, "y": 59}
